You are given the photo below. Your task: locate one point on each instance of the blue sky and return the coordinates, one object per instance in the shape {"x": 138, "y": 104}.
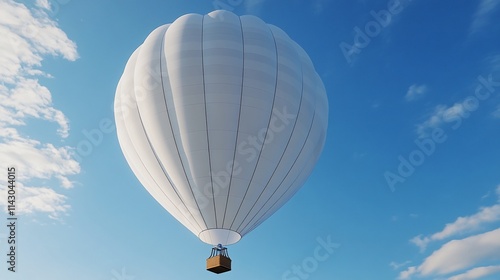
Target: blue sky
{"x": 407, "y": 187}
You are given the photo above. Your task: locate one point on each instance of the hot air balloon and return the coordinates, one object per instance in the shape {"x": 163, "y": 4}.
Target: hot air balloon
{"x": 222, "y": 119}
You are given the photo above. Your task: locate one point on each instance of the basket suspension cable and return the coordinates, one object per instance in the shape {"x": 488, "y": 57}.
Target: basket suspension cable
{"x": 219, "y": 250}
{"x": 213, "y": 253}
{"x": 219, "y": 261}
{"x": 224, "y": 252}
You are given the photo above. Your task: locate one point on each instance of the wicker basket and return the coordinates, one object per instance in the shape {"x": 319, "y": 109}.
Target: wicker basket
{"x": 219, "y": 264}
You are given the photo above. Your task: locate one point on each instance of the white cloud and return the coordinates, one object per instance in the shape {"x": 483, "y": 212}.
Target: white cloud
{"x": 27, "y": 98}
{"x": 397, "y": 266}
{"x": 456, "y": 113}
{"x": 37, "y": 199}
{"x": 28, "y": 35}
{"x": 34, "y": 159}
{"x": 461, "y": 225}
{"x": 442, "y": 114}
{"x": 462, "y": 254}
{"x": 458, "y": 255}
{"x": 467, "y": 257}
{"x": 483, "y": 14}
{"x": 477, "y": 273}
{"x": 416, "y": 91}
{"x": 44, "y": 4}
{"x": 466, "y": 224}
{"x": 421, "y": 242}
{"x": 406, "y": 274}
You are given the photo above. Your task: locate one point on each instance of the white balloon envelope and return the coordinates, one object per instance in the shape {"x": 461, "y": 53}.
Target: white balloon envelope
{"x": 222, "y": 119}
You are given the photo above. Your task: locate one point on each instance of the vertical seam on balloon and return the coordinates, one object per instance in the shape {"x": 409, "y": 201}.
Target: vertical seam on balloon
{"x": 259, "y": 221}
{"x": 161, "y": 165}
{"x": 151, "y": 146}
{"x": 171, "y": 129}
{"x": 175, "y": 140}
{"x": 281, "y": 197}
{"x": 239, "y": 118}
{"x": 267, "y": 130}
{"x": 284, "y": 151}
{"x": 206, "y": 115}
{"x": 284, "y": 178}
{"x": 146, "y": 169}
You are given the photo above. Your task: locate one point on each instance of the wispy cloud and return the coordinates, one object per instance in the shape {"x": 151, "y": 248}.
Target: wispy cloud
{"x": 466, "y": 256}
{"x": 397, "y": 266}
{"x": 406, "y": 274}
{"x": 477, "y": 273}
{"x": 483, "y": 14}
{"x": 44, "y": 4}
{"x": 28, "y": 99}
{"x": 38, "y": 200}
{"x": 458, "y": 255}
{"x": 439, "y": 116}
{"x": 415, "y": 92}
{"x": 455, "y": 114}
{"x": 28, "y": 35}
{"x": 461, "y": 225}
{"x": 35, "y": 159}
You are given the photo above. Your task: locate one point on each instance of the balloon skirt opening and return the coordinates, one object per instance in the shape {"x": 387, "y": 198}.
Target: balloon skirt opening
{"x": 219, "y": 236}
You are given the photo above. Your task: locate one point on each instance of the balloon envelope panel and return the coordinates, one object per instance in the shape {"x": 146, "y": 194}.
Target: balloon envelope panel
{"x": 222, "y": 119}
